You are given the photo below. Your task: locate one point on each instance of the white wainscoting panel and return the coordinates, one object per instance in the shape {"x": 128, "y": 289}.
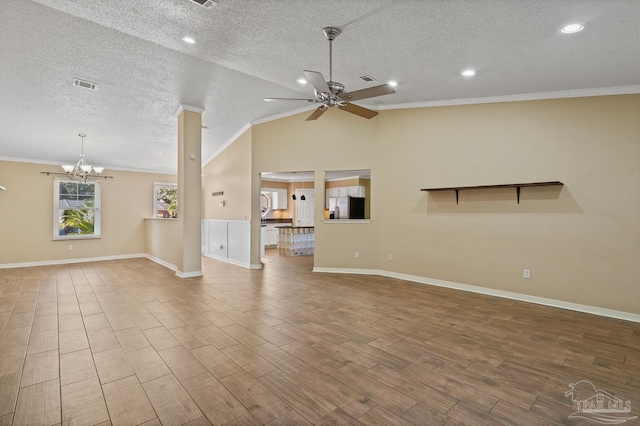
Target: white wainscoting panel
{"x": 227, "y": 240}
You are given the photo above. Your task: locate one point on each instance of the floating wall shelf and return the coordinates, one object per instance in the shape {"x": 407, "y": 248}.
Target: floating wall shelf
{"x": 517, "y": 186}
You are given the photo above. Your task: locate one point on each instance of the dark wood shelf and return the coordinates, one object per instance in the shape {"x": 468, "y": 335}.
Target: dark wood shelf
{"x": 517, "y": 186}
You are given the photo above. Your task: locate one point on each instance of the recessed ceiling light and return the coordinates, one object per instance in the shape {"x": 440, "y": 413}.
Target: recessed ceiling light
{"x": 468, "y": 73}
{"x": 572, "y": 28}
{"x": 392, "y": 83}
{"x": 188, "y": 40}
{"x": 301, "y": 81}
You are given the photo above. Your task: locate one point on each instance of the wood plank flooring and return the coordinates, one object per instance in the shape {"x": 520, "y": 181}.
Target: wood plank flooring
{"x": 125, "y": 342}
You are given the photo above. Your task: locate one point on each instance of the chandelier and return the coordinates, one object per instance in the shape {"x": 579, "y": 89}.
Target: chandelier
{"x": 83, "y": 172}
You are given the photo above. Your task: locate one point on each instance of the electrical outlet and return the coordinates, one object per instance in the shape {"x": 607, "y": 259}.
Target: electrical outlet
{"x": 389, "y": 256}
{"x": 527, "y": 273}
{"x": 69, "y": 247}
{"x": 357, "y": 255}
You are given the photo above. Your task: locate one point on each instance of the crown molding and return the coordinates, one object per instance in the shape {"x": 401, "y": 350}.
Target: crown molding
{"x": 578, "y": 93}
{"x": 282, "y": 115}
{"x": 231, "y": 140}
{"x": 107, "y": 167}
{"x": 185, "y": 107}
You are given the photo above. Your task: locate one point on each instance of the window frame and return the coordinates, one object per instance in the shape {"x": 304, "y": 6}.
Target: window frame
{"x": 97, "y": 209}
{"x": 154, "y": 200}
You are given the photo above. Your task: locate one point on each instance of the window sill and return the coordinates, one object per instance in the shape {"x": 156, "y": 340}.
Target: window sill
{"x": 160, "y": 218}
{"x": 346, "y": 220}
{"x": 79, "y": 237}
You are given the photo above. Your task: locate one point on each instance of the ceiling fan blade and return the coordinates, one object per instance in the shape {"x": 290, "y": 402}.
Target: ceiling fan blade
{"x": 317, "y": 113}
{"x": 317, "y": 81}
{"x": 289, "y": 99}
{"x": 358, "y": 110}
{"x": 370, "y": 92}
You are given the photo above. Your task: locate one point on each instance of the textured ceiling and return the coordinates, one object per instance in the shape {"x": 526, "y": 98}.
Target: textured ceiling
{"x": 249, "y": 49}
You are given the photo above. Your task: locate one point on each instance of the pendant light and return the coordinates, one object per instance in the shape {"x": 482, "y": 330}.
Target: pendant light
{"x": 302, "y": 197}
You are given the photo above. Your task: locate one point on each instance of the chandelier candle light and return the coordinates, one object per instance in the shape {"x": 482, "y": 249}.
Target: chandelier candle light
{"x": 82, "y": 171}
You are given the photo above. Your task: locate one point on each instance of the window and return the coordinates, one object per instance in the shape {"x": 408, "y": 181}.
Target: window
{"x": 165, "y": 200}
{"x": 265, "y": 203}
{"x": 76, "y": 210}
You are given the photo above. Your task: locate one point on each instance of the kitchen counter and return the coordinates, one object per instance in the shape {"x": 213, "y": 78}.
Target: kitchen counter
{"x": 277, "y": 220}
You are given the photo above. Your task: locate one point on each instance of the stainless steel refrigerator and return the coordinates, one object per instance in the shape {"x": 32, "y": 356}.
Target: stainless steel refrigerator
{"x": 346, "y": 207}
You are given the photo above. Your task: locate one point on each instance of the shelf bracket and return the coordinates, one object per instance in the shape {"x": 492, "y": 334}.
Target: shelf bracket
{"x": 456, "y": 196}
{"x": 518, "y": 193}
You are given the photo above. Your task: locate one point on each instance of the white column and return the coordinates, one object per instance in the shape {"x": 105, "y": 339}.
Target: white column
{"x": 189, "y": 190}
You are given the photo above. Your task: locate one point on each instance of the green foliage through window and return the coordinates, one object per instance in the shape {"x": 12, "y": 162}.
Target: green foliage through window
{"x": 77, "y": 209}
{"x": 166, "y": 201}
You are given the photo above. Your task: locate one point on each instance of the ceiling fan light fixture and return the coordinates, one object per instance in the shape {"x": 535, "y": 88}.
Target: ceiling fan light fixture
{"x": 468, "y": 72}
{"x": 301, "y": 81}
{"x": 393, "y": 83}
{"x": 330, "y": 93}
{"x": 188, "y": 40}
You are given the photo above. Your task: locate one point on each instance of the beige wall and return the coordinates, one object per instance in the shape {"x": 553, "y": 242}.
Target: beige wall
{"x": 229, "y": 172}
{"x": 581, "y": 242}
{"x": 160, "y": 238}
{"x": 340, "y": 141}
{"x": 26, "y": 215}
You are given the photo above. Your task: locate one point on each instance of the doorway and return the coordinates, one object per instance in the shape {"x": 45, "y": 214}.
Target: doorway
{"x": 287, "y": 199}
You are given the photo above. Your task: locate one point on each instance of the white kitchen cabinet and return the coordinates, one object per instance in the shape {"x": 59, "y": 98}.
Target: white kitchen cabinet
{"x": 330, "y": 193}
{"x": 269, "y": 235}
{"x": 352, "y": 191}
{"x": 283, "y": 198}
{"x": 355, "y": 191}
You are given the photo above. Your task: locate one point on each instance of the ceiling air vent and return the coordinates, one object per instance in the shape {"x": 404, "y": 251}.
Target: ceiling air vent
{"x": 86, "y": 84}
{"x": 205, "y": 3}
{"x": 367, "y": 78}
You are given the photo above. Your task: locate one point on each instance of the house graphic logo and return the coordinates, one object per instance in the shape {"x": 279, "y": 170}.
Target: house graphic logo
{"x": 597, "y": 405}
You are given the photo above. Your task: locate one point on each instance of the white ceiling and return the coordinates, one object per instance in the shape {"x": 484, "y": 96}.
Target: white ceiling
{"x": 247, "y": 50}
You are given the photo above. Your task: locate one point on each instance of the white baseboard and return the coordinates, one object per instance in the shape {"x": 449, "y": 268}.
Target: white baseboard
{"x": 161, "y": 262}
{"x": 189, "y": 274}
{"x": 68, "y": 261}
{"x": 233, "y": 262}
{"x": 627, "y": 316}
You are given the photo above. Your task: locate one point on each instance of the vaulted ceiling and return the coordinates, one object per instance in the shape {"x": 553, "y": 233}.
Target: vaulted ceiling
{"x": 246, "y": 50}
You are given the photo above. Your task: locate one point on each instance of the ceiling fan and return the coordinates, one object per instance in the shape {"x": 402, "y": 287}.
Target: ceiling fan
{"x": 331, "y": 93}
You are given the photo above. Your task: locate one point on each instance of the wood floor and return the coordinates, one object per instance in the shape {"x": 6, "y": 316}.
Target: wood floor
{"x": 129, "y": 343}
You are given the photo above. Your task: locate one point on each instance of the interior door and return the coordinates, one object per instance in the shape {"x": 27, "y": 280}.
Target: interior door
{"x": 305, "y": 208}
